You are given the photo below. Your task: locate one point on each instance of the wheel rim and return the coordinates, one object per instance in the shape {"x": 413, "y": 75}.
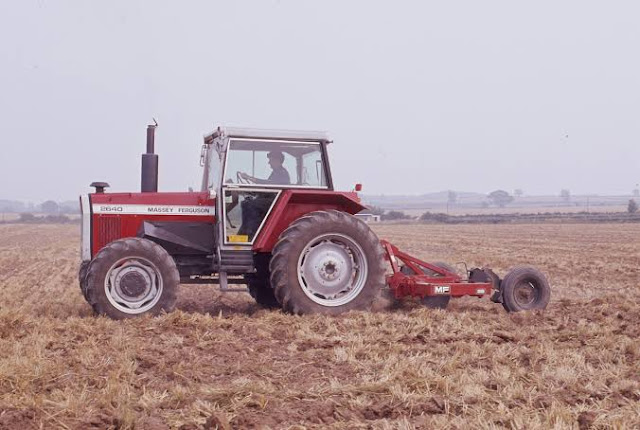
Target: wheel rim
{"x": 133, "y": 285}
{"x": 526, "y": 293}
{"x": 332, "y": 269}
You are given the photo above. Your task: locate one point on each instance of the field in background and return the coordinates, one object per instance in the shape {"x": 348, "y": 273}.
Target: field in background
{"x": 220, "y": 360}
{"x": 508, "y": 210}
{"x": 466, "y": 203}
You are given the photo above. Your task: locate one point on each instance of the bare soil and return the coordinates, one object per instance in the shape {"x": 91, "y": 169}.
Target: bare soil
{"x": 220, "y": 361}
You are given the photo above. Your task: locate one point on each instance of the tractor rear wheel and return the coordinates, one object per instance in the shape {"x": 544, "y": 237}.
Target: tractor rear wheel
{"x": 131, "y": 277}
{"x": 433, "y": 302}
{"x": 525, "y": 288}
{"x": 327, "y": 262}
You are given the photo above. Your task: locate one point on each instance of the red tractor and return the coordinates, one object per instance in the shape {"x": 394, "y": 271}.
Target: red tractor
{"x": 267, "y": 216}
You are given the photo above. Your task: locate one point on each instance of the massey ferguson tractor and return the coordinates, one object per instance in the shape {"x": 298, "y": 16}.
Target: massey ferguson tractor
{"x": 267, "y": 216}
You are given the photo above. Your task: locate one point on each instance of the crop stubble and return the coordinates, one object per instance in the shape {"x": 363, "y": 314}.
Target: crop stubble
{"x": 221, "y": 361}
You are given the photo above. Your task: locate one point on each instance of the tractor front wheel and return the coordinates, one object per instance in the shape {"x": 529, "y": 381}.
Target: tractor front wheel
{"x": 327, "y": 262}
{"x": 131, "y": 277}
{"x": 525, "y": 288}
{"x": 82, "y": 277}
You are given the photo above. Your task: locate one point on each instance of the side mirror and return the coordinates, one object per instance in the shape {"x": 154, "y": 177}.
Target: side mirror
{"x": 203, "y": 155}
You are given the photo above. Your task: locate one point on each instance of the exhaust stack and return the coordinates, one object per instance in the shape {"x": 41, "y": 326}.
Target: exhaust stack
{"x": 149, "y": 179}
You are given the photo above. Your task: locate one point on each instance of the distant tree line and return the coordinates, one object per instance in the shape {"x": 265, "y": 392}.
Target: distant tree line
{"x": 500, "y": 198}
{"x": 569, "y": 217}
{"x": 29, "y": 218}
{"x": 47, "y": 207}
{"x": 387, "y": 215}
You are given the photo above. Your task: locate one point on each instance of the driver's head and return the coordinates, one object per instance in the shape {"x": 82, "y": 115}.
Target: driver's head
{"x": 276, "y": 158}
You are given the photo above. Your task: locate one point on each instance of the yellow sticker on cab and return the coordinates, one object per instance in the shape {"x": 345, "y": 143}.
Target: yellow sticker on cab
{"x": 238, "y": 238}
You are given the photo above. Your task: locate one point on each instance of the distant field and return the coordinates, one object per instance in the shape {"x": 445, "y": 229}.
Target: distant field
{"x": 455, "y": 210}
{"x": 219, "y": 360}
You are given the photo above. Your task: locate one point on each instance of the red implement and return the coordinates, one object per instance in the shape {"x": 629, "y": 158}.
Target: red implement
{"x": 417, "y": 278}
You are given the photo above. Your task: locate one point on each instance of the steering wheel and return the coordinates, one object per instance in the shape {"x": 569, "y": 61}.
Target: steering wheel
{"x": 243, "y": 180}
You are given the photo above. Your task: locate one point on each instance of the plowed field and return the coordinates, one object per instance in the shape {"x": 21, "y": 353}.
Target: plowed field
{"x": 220, "y": 361}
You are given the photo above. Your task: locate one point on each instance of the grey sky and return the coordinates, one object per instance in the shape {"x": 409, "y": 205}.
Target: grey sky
{"x": 418, "y": 96}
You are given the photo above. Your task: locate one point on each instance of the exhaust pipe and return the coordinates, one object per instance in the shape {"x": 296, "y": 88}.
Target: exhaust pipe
{"x": 149, "y": 179}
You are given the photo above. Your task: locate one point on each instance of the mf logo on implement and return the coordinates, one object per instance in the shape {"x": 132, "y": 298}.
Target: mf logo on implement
{"x": 441, "y": 289}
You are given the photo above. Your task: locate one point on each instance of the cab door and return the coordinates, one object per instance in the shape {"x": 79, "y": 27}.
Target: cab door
{"x": 247, "y": 192}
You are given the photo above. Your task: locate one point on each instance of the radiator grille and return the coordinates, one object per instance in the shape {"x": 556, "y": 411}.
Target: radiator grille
{"x": 108, "y": 230}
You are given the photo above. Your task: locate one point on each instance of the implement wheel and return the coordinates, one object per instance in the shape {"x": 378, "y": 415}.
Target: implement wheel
{"x": 433, "y": 302}
{"x": 131, "y": 277}
{"x": 525, "y": 288}
{"x": 327, "y": 262}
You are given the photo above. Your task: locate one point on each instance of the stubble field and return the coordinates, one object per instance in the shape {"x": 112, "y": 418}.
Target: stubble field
{"x": 220, "y": 361}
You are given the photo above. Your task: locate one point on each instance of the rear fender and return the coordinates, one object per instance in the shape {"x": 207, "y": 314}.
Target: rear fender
{"x": 294, "y": 204}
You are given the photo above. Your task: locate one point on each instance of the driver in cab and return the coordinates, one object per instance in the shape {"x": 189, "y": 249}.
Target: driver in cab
{"x": 255, "y": 208}
{"x": 278, "y": 176}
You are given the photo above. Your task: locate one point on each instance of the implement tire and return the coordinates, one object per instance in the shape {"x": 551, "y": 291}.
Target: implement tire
{"x": 327, "y": 262}
{"x": 131, "y": 277}
{"x": 525, "y": 288}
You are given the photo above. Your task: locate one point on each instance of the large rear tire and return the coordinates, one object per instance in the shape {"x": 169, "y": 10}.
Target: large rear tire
{"x": 131, "y": 277}
{"x": 525, "y": 288}
{"x": 327, "y": 262}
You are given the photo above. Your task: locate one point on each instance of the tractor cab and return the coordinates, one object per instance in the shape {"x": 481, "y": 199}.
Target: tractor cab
{"x": 247, "y": 169}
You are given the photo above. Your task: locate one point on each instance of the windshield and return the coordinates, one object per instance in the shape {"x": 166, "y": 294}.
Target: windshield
{"x": 275, "y": 163}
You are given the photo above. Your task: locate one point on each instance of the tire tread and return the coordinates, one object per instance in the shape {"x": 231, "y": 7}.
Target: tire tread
{"x": 94, "y": 281}
{"x": 296, "y": 233}
{"x": 511, "y": 279}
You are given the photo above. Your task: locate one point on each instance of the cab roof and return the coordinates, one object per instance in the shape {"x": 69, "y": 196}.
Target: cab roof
{"x": 260, "y": 133}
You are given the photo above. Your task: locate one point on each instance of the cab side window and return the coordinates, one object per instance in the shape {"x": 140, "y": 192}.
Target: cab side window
{"x": 255, "y": 162}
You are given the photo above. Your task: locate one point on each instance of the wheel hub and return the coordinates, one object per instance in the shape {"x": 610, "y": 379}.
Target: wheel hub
{"x": 133, "y": 285}
{"x": 332, "y": 270}
{"x": 525, "y": 293}
{"x": 326, "y": 268}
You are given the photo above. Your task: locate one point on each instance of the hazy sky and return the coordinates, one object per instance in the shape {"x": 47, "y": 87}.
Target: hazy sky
{"x": 418, "y": 96}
